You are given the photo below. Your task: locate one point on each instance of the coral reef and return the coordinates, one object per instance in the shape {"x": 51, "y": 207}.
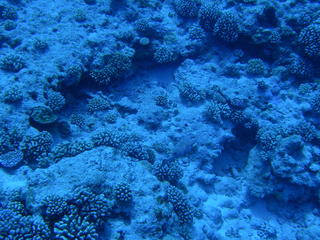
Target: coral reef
{"x": 12, "y": 63}
{"x": 35, "y": 146}
{"x": 227, "y": 27}
{"x": 158, "y": 119}
{"x": 168, "y": 171}
{"x": 187, "y": 8}
{"x": 55, "y": 101}
{"x": 309, "y": 39}
{"x": 11, "y": 159}
{"x": 123, "y": 193}
{"x": 75, "y": 227}
{"x": 180, "y": 205}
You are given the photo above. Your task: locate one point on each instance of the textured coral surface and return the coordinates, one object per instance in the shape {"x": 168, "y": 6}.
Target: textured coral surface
{"x": 159, "y": 119}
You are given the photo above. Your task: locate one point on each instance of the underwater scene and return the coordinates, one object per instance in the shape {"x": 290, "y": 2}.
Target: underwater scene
{"x": 160, "y": 120}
